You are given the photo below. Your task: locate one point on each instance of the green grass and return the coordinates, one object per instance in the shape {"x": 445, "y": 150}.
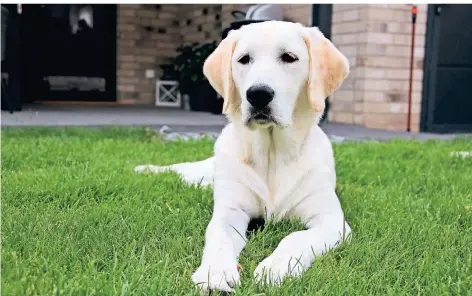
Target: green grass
{"x": 77, "y": 221}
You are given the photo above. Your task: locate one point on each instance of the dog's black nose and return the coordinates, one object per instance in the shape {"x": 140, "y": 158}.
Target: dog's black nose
{"x": 259, "y": 96}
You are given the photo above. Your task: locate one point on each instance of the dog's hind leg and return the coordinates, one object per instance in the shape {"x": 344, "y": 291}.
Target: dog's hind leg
{"x": 198, "y": 172}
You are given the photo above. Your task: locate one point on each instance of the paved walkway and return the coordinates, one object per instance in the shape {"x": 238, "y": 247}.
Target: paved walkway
{"x": 178, "y": 120}
{"x": 120, "y": 115}
{"x": 360, "y": 133}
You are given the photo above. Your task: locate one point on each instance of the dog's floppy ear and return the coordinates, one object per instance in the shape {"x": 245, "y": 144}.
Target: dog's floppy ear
{"x": 328, "y": 68}
{"x": 217, "y": 69}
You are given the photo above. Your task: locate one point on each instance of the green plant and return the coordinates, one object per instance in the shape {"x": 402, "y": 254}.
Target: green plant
{"x": 187, "y": 66}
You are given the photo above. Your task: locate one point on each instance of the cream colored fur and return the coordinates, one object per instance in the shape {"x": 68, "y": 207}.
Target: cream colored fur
{"x": 277, "y": 170}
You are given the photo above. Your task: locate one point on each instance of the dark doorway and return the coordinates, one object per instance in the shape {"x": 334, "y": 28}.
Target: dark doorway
{"x": 321, "y": 18}
{"x": 447, "y": 91}
{"x": 68, "y": 52}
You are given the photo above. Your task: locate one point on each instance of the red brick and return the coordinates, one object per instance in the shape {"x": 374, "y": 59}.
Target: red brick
{"x": 126, "y": 88}
{"x": 129, "y": 66}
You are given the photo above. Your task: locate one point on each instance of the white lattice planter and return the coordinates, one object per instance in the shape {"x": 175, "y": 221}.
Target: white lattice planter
{"x": 167, "y": 93}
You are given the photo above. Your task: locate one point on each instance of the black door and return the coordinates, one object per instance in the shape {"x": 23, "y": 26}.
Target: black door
{"x": 447, "y": 84}
{"x": 321, "y": 18}
{"x": 69, "y": 52}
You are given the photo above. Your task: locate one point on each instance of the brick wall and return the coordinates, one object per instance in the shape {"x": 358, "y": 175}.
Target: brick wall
{"x": 148, "y": 35}
{"x": 346, "y": 102}
{"x": 300, "y": 13}
{"x": 377, "y": 41}
{"x": 201, "y": 23}
{"x": 375, "y": 38}
{"x": 227, "y": 18}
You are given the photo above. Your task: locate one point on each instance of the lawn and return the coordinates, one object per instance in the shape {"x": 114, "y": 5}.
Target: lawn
{"x": 76, "y": 220}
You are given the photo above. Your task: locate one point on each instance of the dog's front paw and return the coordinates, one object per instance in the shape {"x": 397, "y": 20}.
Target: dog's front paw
{"x": 273, "y": 270}
{"x": 221, "y": 275}
{"x": 147, "y": 168}
{"x": 288, "y": 259}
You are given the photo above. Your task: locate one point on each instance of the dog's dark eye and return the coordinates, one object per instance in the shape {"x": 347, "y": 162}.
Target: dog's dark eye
{"x": 245, "y": 59}
{"x": 288, "y": 57}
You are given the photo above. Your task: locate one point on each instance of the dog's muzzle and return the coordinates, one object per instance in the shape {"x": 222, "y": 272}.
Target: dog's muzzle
{"x": 259, "y": 96}
{"x": 260, "y": 116}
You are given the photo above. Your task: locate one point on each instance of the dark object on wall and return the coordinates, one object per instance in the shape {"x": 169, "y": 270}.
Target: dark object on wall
{"x": 186, "y": 68}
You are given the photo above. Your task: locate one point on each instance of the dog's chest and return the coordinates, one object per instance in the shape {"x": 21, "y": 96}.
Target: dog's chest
{"x": 272, "y": 169}
{"x": 281, "y": 173}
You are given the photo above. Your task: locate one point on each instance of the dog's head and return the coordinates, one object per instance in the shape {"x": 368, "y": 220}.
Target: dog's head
{"x": 264, "y": 71}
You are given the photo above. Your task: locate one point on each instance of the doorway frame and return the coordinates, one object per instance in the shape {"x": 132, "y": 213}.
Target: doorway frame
{"x": 321, "y": 15}
{"x": 433, "y": 23}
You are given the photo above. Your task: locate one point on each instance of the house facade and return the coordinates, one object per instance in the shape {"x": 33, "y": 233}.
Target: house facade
{"x": 376, "y": 38}
{"x": 138, "y": 39}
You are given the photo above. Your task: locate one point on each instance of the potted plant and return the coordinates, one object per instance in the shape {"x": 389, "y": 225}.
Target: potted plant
{"x": 187, "y": 69}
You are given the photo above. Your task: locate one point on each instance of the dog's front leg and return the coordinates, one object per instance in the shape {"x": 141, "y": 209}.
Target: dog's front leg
{"x": 224, "y": 240}
{"x": 296, "y": 252}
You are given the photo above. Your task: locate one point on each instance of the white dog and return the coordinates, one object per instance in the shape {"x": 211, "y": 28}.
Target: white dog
{"x": 272, "y": 160}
